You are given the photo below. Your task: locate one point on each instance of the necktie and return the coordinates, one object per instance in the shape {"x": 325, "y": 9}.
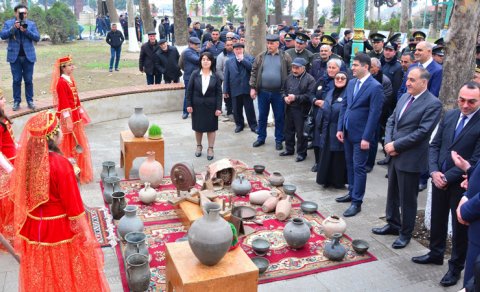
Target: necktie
{"x": 420, "y": 65}
{"x": 460, "y": 126}
{"x": 409, "y": 103}
{"x": 357, "y": 87}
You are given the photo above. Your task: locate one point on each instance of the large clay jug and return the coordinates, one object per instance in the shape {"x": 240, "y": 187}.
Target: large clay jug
{"x": 282, "y": 211}
{"x": 296, "y": 233}
{"x": 147, "y": 195}
{"x": 138, "y": 123}
{"x": 108, "y": 169}
{"x": 135, "y": 244}
{"x": 111, "y": 185}
{"x": 130, "y": 222}
{"x": 259, "y": 197}
{"x": 138, "y": 272}
{"x": 270, "y": 204}
{"x": 151, "y": 170}
{"x": 118, "y": 205}
{"x": 333, "y": 224}
{"x": 333, "y": 250}
{"x": 210, "y": 237}
{"x": 241, "y": 186}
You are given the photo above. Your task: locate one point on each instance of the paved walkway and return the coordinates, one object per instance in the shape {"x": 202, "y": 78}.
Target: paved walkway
{"x": 393, "y": 271}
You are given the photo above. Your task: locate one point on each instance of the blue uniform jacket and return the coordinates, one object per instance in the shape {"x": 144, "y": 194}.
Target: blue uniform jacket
{"x": 237, "y": 76}
{"x": 191, "y": 59}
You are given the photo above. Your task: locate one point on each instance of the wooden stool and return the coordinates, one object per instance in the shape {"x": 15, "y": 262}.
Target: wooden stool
{"x": 234, "y": 273}
{"x": 131, "y": 148}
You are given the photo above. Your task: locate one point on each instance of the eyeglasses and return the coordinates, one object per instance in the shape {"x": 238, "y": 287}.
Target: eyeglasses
{"x": 340, "y": 78}
{"x": 469, "y": 101}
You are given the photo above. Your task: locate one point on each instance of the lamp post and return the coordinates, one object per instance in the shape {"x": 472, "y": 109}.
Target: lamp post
{"x": 358, "y": 29}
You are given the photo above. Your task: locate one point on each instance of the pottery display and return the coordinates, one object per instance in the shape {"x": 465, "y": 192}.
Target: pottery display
{"x": 289, "y": 189}
{"x": 259, "y": 197}
{"x": 241, "y": 186}
{"x": 282, "y": 211}
{"x": 151, "y": 170}
{"x": 276, "y": 179}
{"x": 210, "y": 237}
{"x": 259, "y": 169}
{"x": 270, "y": 204}
{"x": 260, "y": 245}
{"x": 360, "y": 246}
{"x": 130, "y": 222}
{"x": 333, "y": 224}
{"x": 111, "y": 185}
{"x": 138, "y": 123}
{"x": 135, "y": 244}
{"x": 147, "y": 195}
{"x": 261, "y": 263}
{"x": 118, "y": 205}
{"x": 108, "y": 169}
{"x": 296, "y": 233}
{"x": 308, "y": 207}
{"x": 333, "y": 250}
{"x": 138, "y": 272}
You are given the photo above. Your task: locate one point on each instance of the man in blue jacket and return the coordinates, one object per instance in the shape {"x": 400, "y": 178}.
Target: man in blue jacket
{"x": 21, "y": 33}
{"x": 190, "y": 59}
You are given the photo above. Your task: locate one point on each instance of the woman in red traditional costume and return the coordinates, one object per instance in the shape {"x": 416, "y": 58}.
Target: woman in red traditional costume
{"x": 57, "y": 247}
{"x": 72, "y": 117}
{"x": 7, "y": 158}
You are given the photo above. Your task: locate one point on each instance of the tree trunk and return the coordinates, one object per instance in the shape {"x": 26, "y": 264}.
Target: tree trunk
{"x": 371, "y": 10}
{"x": 132, "y": 39}
{"x": 146, "y": 16}
{"x": 180, "y": 20}
{"x": 459, "y": 50}
{"x": 278, "y": 11}
{"x": 77, "y": 8}
{"x": 112, "y": 12}
{"x": 404, "y": 16}
{"x": 100, "y": 7}
{"x": 434, "y": 31}
{"x": 290, "y": 4}
{"x": 312, "y": 7}
{"x": 255, "y": 24}
{"x": 349, "y": 13}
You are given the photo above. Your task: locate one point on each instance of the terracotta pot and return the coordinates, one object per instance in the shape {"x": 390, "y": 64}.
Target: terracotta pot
{"x": 296, "y": 233}
{"x": 282, "y": 211}
{"x": 276, "y": 179}
{"x": 259, "y": 197}
{"x": 270, "y": 204}
{"x": 333, "y": 250}
{"x": 147, "y": 195}
{"x": 333, "y": 224}
{"x": 138, "y": 123}
{"x": 151, "y": 170}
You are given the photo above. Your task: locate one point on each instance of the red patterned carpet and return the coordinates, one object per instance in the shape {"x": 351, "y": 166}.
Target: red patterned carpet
{"x": 162, "y": 225}
{"x": 101, "y": 222}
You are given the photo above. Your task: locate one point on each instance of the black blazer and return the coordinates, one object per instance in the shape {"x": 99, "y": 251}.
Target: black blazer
{"x": 212, "y": 97}
{"x": 467, "y": 144}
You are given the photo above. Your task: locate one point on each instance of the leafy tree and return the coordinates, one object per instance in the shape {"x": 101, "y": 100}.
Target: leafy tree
{"x": 61, "y": 23}
{"x": 336, "y": 9}
{"x": 231, "y": 10}
{"x": 222, "y": 3}
{"x": 37, "y": 14}
{"x": 215, "y": 9}
{"x": 6, "y": 15}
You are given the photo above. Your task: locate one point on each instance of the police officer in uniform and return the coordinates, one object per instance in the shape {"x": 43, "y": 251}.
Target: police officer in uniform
{"x": 300, "y": 50}
{"x": 378, "y": 41}
{"x": 289, "y": 41}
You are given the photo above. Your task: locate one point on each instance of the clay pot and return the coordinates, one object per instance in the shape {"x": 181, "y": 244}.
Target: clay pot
{"x": 147, "y": 195}
{"x": 210, "y": 237}
{"x": 333, "y": 250}
{"x": 118, "y": 205}
{"x": 270, "y": 204}
{"x": 108, "y": 170}
{"x": 282, "y": 211}
{"x": 138, "y": 123}
{"x": 296, "y": 233}
{"x": 111, "y": 185}
{"x": 259, "y": 197}
{"x": 151, "y": 170}
{"x": 138, "y": 272}
{"x": 135, "y": 244}
{"x": 241, "y": 186}
{"x": 276, "y": 179}
{"x": 130, "y": 222}
{"x": 333, "y": 224}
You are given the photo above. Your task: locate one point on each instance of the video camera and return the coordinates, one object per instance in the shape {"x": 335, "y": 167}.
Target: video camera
{"x": 21, "y": 16}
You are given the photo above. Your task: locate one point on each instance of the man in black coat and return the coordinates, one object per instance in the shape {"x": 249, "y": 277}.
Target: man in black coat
{"x": 115, "y": 40}
{"x": 146, "y": 62}
{"x": 459, "y": 131}
{"x": 298, "y": 93}
{"x": 167, "y": 62}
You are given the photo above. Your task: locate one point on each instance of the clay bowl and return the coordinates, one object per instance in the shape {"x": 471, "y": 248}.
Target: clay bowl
{"x": 259, "y": 168}
{"x": 244, "y": 212}
{"x": 261, "y": 263}
{"x": 289, "y": 189}
{"x": 308, "y": 206}
{"x": 260, "y": 246}
{"x": 360, "y": 246}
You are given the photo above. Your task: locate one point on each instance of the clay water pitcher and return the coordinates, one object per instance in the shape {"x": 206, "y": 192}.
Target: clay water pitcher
{"x": 241, "y": 186}
{"x": 210, "y": 237}
{"x": 150, "y": 170}
{"x": 334, "y": 250}
{"x": 138, "y": 123}
{"x": 282, "y": 211}
{"x": 147, "y": 195}
{"x": 130, "y": 222}
{"x": 111, "y": 185}
{"x": 296, "y": 233}
{"x": 270, "y": 204}
{"x": 136, "y": 243}
{"x": 108, "y": 169}
{"x": 138, "y": 272}
{"x": 118, "y": 205}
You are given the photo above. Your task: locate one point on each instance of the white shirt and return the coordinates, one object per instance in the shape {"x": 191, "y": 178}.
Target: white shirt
{"x": 66, "y": 77}
{"x": 405, "y": 105}
{"x": 205, "y": 81}
{"x": 425, "y": 65}
{"x": 469, "y": 117}
{"x": 362, "y": 81}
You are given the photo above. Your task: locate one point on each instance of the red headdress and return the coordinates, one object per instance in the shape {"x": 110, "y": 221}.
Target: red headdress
{"x": 56, "y": 73}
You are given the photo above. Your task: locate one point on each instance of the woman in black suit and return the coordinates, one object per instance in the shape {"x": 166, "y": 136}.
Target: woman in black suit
{"x": 204, "y": 102}
{"x": 332, "y": 169}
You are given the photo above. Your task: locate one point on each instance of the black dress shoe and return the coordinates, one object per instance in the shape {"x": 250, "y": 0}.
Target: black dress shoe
{"x": 368, "y": 169}
{"x": 300, "y": 158}
{"x": 279, "y": 146}
{"x": 16, "y": 107}
{"x": 385, "y": 230}
{"x": 352, "y": 211}
{"x": 427, "y": 259}
{"x": 314, "y": 168}
{"x": 422, "y": 187}
{"x": 238, "y": 129}
{"x": 184, "y": 116}
{"x": 286, "y": 153}
{"x": 384, "y": 161}
{"x": 400, "y": 242}
{"x": 310, "y": 146}
{"x": 344, "y": 199}
{"x": 31, "y": 106}
{"x": 258, "y": 143}
{"x": 451, "y": 278}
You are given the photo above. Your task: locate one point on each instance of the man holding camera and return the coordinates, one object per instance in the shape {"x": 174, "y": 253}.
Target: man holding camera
{"x": 21, "y": 33}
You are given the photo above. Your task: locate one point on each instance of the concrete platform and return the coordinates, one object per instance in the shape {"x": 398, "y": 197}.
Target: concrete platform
{"x": 393, "y": 271}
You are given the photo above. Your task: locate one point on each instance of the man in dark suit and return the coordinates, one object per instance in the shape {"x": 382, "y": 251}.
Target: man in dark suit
{"x": 459, "y": 131}
{"x": 357, "y": 124}
{"x": 407, "y": 135}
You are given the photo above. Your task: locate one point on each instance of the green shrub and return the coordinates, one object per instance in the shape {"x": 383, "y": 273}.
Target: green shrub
{"x": 61, "y": 23}
{"x": 37, "y": 14}
{"x": 6, "y": 15}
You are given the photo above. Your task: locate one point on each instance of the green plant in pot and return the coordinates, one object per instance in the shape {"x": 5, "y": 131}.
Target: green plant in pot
{"x": 155, "y": 132}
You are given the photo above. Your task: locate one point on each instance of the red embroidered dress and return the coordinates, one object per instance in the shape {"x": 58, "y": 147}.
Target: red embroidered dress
{"x": 8, "y": 151}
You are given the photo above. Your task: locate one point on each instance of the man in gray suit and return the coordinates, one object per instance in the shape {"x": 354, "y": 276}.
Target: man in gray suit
{"x": 407, "y": 135}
